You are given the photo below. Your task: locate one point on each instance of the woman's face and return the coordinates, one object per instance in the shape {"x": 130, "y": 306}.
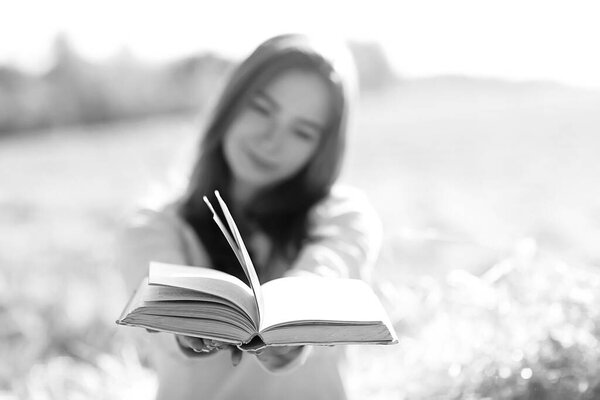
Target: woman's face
{"x": 278, "y": 129}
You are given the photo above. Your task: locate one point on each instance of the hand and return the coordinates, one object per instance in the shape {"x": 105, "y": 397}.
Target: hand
{"x": 199, "y": 345}
{"x": 193, "y": 346}
{"x": 275, "y": 357}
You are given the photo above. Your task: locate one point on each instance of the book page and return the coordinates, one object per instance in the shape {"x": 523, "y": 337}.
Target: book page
{"x": 240, "y": 251}
{"x": 135, "y": 300}
{"x": 319, "y": 299}
{"x": 205, "y": 280}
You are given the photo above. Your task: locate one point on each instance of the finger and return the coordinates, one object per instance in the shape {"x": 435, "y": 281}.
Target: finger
{"x": 261, "y": 352}
{"x": 214, "y": 344}
{"x": 236, "y": 356}
{"x": 193, "y": 343}
{"x": 278, "y": 350}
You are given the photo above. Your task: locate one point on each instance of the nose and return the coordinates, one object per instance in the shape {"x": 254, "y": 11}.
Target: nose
{"x": 271, "y": 137}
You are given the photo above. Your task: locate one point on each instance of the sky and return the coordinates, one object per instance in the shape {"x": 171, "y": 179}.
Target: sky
{"x": 509, "y": 39}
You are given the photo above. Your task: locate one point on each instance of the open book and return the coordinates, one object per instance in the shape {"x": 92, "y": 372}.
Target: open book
{"x": 208, "y": 303}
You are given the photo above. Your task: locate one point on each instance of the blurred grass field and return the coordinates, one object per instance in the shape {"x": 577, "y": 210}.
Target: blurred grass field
{"x": 466, "y": 174}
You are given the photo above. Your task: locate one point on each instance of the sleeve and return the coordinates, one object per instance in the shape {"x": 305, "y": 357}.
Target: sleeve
{"x": 147, "y": 236}
{"x": 344, "y": 237}
{"x": 152, "y": 235}
{"x": 344, "y": 240}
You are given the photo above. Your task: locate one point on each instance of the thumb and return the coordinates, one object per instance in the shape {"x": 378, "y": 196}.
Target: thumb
{"x": 236, "y": 356}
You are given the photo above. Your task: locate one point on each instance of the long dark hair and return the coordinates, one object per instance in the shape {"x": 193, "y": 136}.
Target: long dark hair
{"x": 280, "y": 211}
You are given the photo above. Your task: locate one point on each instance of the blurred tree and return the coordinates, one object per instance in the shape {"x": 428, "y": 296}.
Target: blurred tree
{"x": 12, "y": 83}
{"x": 374, "y": 69}
{"x": 11, "y": 79}
{"x": 192, "y": 81}
{"x": 77, "y": 91}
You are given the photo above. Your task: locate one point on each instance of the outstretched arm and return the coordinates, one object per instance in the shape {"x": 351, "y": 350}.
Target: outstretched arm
{"x": 344, "y": 239}
{"x": 162, "y": 236}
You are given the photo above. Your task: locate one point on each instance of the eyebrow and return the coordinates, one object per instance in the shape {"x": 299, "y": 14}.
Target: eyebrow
{"x": 302, "y": 120}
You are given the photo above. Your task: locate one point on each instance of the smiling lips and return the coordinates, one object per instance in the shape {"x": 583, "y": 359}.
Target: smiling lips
{"x": 258, "y": 160}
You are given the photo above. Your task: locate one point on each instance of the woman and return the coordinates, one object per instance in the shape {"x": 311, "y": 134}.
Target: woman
{"x": 273, "y": 147}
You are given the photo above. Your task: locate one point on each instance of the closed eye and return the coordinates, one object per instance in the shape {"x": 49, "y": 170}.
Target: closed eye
{"x": 262, "y": 103}
{"x": 307, "y": 129}
{"x": 260, "y": 106}
{"x": 306, "y": 134}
